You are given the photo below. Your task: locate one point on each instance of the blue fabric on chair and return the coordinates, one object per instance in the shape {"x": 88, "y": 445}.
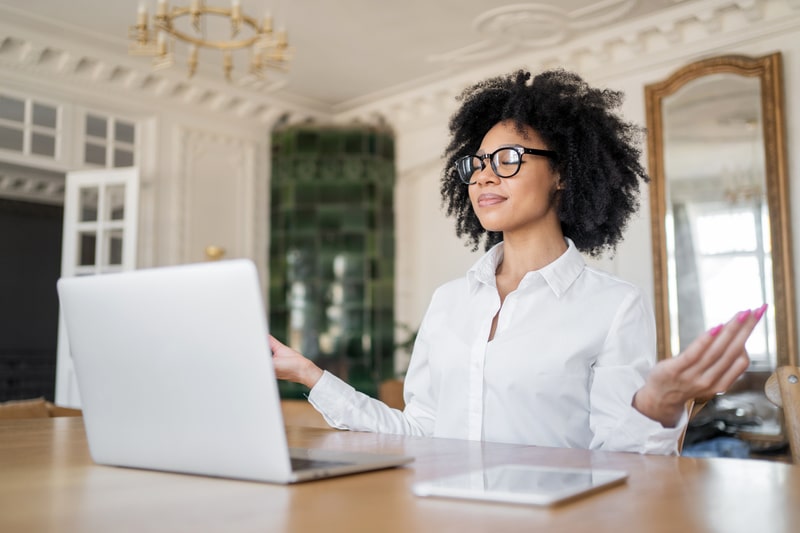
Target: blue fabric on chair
{"x": 718, "y": 447}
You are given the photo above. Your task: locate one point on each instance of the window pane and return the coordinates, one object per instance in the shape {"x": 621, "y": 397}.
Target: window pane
{"x": 86, "y": 252}
{"x": 88, "y": 204}
{"x": 115, "y": 202}
{"x": 726, "y": 232}
{"x": 43, "y": 144}
{"x": 718, "y": 275}
{"x": 123, "y": 158}
{"x": 765, "y": 234}
{"x": 44, "y": 116}
{"x": 10, "y": 139}
{"x": 114, "y": 247}
{"x": 124, "y": 132}
{"x": 96, "y": 126}
{"x": 95, "y": 154}
{"x": 12, "y": 109}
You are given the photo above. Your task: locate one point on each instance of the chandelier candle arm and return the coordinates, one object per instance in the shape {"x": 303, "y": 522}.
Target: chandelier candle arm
{"x": 266, "y": 26}
{"x": 192, "y": 59}
{"x": 268, "y": 48}
{"x": 236, "y": 17}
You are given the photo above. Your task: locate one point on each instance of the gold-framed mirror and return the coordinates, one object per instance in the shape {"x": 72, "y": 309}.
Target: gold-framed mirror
{"x": 719, "y": 204}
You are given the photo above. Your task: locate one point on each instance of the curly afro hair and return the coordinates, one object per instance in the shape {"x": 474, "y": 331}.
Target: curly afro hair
{"x": 598, "y": 153}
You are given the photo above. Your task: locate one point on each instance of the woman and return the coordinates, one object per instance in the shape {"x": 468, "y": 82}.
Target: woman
{"x": 533, "y": 346}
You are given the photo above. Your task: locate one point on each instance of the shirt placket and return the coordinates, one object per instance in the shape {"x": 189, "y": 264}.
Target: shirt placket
{"x": 475, "y": 414}
{"x": 476, "y": 370}
{"x": 477, "y": 381}
{"x": 490, "y": 303}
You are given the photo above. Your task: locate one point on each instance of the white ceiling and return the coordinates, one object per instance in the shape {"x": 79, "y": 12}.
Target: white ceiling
{"x": 350, "y": 51}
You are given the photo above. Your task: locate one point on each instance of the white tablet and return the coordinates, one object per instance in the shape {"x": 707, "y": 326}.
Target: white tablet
{"x": 533, "y": 485}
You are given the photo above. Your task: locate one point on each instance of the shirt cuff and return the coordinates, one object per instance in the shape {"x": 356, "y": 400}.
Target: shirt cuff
{"x": 662, "y": 440}
{"x": 330, "y": 396}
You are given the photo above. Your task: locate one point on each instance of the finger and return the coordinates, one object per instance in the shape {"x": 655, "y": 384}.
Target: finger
{"x": 731, "y": 374}
{"x": 713, "y": 385}
{"x": 731, "y": 357}
{"x": 721, "y": 353}
{"x": 275, "y": 345}
{"x": 689, "y": 357}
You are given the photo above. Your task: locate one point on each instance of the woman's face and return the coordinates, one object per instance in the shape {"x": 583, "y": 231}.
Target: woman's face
{"x": 524, "y": 202}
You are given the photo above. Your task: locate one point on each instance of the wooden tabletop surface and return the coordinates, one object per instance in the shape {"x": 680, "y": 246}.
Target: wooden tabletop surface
{"x": 49, "y": 483}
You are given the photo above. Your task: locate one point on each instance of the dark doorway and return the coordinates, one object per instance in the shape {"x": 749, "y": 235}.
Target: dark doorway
{"x": 30, "y": 264}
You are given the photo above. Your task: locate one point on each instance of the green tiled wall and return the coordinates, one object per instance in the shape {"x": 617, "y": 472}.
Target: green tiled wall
{"x": 332, "y": 251}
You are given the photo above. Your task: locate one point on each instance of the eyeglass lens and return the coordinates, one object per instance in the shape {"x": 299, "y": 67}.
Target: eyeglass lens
{"x": 505, "y": 163}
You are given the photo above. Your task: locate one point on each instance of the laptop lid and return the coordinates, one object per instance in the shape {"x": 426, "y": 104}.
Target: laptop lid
{"x": 175, "y": 373}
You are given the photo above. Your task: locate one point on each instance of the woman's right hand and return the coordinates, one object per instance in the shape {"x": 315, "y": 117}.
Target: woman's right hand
{"x": 293, "y": 366}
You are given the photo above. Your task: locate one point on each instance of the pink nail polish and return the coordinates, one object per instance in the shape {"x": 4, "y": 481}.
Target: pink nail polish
{"x": 760, "y": 311}
{"x": 715, "y": 330}
{"x": 744, "y": 315}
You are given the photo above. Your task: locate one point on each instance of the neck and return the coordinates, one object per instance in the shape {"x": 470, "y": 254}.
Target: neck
{"x": 525, "y": 254}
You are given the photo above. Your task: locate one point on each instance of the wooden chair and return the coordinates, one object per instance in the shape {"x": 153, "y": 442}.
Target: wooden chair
{"x": 783, "y": 389}
{"x": 34, "y": 408}
{"x": 390, "y": 392}
{"x": 302, "y": 413}
{"x": 692, "y": 407}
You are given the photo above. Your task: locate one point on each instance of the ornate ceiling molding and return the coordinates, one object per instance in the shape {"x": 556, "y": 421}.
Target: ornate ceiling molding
{"x": 41, "y": 54}
{"x": 32, "y": 186}
{"x": 686, "y": 30}
{"x": 531, "y": 26}
{"x": 610, "y": 48}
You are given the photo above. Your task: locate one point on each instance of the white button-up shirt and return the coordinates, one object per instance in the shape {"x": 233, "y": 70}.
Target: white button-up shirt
{"x": 572, "y": 346}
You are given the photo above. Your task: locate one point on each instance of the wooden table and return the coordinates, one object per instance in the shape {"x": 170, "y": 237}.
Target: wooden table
{"x": 49, "y": 483}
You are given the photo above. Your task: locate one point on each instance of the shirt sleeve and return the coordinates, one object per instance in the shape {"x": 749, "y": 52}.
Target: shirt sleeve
{"x": 343, "y": 407}
{"x": 627, "y": 356}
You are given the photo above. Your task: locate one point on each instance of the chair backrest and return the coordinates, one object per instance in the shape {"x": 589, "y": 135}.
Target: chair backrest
{"x": 390, "y": 392}
{"x": 783, "y": 389}
{"x": 692, "y": 408}
{"x": 34, "y": 408}
{"x": 301, "y": 413}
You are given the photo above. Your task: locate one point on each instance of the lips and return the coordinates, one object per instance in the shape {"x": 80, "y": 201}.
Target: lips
{"x": 489, "y": 199}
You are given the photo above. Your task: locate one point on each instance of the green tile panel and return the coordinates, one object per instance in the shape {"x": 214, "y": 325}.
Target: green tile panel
{"x": 332, "y": 250}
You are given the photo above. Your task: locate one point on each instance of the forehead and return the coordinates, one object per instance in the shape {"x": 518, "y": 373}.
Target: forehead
{"x": 509, "y": 133}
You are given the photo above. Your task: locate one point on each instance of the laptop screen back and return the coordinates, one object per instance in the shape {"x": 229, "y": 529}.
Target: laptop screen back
{"x": 174, "y": 370}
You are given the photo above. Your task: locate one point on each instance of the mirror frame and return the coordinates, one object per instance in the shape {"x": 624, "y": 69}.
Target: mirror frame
{"x": 768, "y": 69}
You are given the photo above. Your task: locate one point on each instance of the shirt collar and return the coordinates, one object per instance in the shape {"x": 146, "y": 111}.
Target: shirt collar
{"x": 559, "y": 274}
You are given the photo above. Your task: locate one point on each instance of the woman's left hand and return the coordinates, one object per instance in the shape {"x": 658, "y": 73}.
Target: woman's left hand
{"x": 709, "y": 365}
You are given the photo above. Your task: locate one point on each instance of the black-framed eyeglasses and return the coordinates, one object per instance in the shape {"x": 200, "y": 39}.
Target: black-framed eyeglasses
{"x": 505, "y": 162}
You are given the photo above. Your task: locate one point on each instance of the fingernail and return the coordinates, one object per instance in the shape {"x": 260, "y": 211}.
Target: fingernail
{"x": 744, "y": 315}
{"x": 715, "y": 330}
{"x": 760, "y": 311}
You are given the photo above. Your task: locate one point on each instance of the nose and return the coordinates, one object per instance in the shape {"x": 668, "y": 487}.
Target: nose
{"x": 486, "y": 173}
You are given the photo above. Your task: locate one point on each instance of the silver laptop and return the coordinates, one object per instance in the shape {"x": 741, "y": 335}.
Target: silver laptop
{"x": 175, "y": 373}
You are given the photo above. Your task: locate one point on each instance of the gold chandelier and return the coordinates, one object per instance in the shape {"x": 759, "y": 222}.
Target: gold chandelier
{"x": 268, "y": 48}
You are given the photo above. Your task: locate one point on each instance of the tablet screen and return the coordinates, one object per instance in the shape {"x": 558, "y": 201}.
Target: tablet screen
{"x": 536, "y": 485}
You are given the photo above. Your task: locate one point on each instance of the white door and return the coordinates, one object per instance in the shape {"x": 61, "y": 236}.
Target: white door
{"x": 100, "y": 222}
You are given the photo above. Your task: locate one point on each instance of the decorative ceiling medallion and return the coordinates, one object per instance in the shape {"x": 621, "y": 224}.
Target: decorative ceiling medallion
{"x": 530, "y": 26}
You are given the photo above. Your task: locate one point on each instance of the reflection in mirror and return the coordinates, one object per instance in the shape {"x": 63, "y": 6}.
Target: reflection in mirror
{"x": 719, "y": 204}
{"x": 717, "y": 221}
